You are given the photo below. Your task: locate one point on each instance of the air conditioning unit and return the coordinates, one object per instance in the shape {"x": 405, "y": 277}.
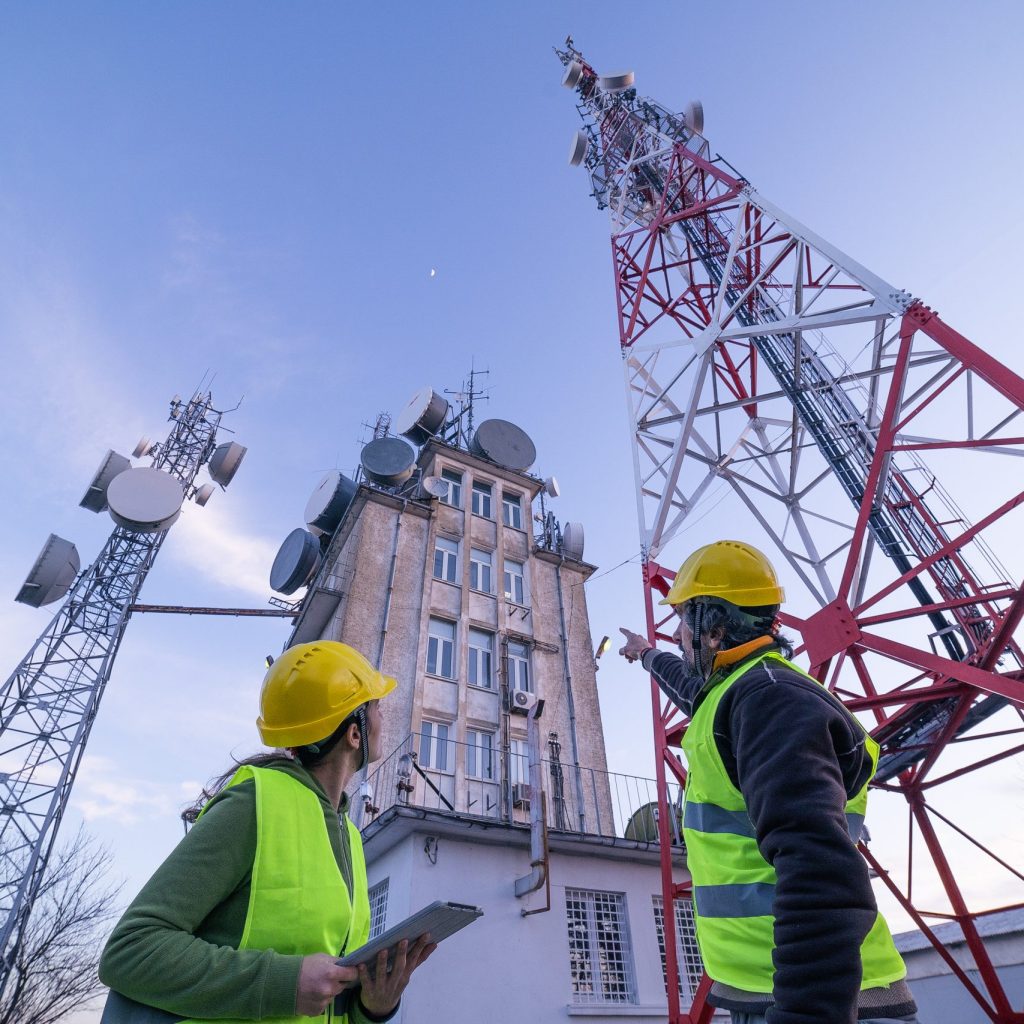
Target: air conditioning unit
{"x": 522, "y": 701}
{"x": 521, "y": 795}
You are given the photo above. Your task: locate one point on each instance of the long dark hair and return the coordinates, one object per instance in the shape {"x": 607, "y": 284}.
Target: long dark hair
{"x": 309, "y": 757}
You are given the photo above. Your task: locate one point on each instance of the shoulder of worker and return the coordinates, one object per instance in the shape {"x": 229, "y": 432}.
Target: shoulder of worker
{"x": 773, "y": 698}
{"x": 243, "y": 793}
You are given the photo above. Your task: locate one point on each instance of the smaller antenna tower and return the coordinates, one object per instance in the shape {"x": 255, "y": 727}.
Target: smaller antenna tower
{"x": 466, "y": 399}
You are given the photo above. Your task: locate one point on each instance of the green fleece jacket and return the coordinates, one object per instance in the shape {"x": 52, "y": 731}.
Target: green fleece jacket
{"x": 175, "y": 947}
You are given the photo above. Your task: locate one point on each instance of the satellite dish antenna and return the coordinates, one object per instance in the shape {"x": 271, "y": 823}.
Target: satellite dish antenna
{"x": 504, "y": 443}
{"x": 145, "y": 500}
{"x": 329, "y": 502}
{"x": 296, "y": 563}
{"x": 95, "y": 499}
{"x": 204, "y": 494}
{"x": 423, "y": 417}
{"x": 143, "y": 448}
{"x": 551, "y": 488}
{"x": 618, "y": 82}
{"x": 435, "y": 486}
{"x": 52, "y": 574}
{"x": 572, "y": 541}
{"x": 225, "y": 461}
{"x": 573, "y": 74}
{"x": 388, "y": 461}
{"x": 693, "y": 115}
{"x": 578, "y": 148}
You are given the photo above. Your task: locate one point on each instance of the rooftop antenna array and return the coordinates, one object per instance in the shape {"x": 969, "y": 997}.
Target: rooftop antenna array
{"x": 760, "y": 359}
{"x": 49, "y": 703}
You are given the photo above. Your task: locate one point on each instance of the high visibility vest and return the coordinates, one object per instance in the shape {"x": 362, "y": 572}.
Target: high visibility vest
{"x": 298, "y": 900}
{"x": 733, "y": 885}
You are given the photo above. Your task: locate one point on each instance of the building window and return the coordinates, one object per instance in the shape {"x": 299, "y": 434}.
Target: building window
{"x": 519, "y": 667}
{"x": 512, "y": 510}
{"x": 481, "y": 658}
{"x": 482, "y": 499}
{"x": 600, "y": 956}
{"x": 454, "y": 481}
{"x": 378, "y": 908}
{"x": 480, "y": 755}
{"x": 519, "y": 762}
{"x": 441, "y": 648}
{"x": 446, "y": 560}
{"x": 434, "y": 746}
{"x": 691, "y": 967}
{"x": 480, "y": 570}
{"x": 515, "y": 582}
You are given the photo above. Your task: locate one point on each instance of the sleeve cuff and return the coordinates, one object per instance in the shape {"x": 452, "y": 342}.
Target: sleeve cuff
{"x": 281, "y": 985}
{"x": 362, "y": 1013}
{"x": 648, "y": 657}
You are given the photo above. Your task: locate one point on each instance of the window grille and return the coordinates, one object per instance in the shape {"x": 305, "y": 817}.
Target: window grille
{"x": 600, "y": 953}
{"x": 441, "y": 648}
{"x": 378, "y": 908}
{"x": 512, "y": 510}
{"x": 454, "y": 481}
{"x": 446, "y": 560}
{"x": 482, "y": 500}
{"x": 691, "y": 967}
{"x": 481, "y": 658}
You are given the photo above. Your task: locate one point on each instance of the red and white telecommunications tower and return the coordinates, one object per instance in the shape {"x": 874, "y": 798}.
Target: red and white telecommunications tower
{"x": 761, "y": 360}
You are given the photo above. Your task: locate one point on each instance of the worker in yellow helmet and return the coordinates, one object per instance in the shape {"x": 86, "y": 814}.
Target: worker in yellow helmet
{"x": 776, "y": 791}
{"x": 247, "y": 916}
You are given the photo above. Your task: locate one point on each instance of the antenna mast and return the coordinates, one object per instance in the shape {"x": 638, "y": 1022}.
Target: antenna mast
{"x": 49, "y": 703}
{"x": 760, "y": 359}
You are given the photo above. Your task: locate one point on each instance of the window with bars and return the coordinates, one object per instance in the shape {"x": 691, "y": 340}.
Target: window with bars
{"x": 515, "y": 582}
{"x": 481, "y": 658}
{"x": 378, "y": 908}
{"x": 479, "y": 754}
{"x": 691, "y": 967}
{"x": 441, "y": 648}
{"x": 434, "y": 747}
{"x": 454, "y": 481}
{"x": 480, "y": 570}
{"x": 512, "y": 510}
{"x": 519, "y": 667}
{"x": 446, "y": 560}
{"x": 600, "y": 953}
{"x": 482, "y": 499}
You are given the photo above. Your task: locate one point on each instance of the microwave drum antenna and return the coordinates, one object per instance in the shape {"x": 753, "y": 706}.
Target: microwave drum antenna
{"x": 572, "y": 541}
{"x": 145, "y": 500}
{"x": 388, "y": 461}
{"x": 329, "y": 502}
{"x": 52, "y": 574}
{"x": 434, "y": 486}
{"x": 225, "y": 461}
{"x": 296, "y": 563}
{"x": 504, "y": 443}
{"x": 423, "y": 417}
{"x": 113, "y": 464}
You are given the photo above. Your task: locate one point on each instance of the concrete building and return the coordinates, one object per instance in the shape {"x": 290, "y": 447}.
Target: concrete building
{"x": 941, "y": 996}
{"x": 485, "y": 626}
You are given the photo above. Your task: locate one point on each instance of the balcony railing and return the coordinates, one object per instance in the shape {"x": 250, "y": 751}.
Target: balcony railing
{"x": 470, "y": 781}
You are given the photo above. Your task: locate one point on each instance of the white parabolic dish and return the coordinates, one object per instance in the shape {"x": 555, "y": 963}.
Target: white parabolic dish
{"x": 145, "y": 500}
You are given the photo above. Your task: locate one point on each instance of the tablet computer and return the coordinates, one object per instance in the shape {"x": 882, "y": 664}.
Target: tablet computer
{"x": 441, "y": 919}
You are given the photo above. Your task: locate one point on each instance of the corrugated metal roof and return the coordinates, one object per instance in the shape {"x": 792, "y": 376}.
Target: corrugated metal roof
{"x": 949, "y": 934}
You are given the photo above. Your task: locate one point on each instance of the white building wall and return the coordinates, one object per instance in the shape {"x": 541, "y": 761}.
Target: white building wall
{"x": 506, "y": 967}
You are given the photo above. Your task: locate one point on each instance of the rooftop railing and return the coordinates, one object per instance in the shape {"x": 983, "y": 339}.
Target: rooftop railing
{"x": 469, "y": 780}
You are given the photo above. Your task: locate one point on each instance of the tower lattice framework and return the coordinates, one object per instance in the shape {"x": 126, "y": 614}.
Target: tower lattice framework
{"x": 49, "y": 703}
{"x": 873, "y": 445}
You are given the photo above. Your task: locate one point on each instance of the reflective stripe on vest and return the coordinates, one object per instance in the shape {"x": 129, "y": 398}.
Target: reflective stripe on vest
{"x": 733, "y": 885}
{"x": 298, "y": 900}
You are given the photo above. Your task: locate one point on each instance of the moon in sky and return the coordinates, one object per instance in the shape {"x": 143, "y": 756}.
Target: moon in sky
{"x": 433, "y": 272}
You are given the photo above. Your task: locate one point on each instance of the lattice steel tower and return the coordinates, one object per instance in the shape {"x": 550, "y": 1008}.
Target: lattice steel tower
{"x": 49, "y": 703}
{"x": 761, "y": 360}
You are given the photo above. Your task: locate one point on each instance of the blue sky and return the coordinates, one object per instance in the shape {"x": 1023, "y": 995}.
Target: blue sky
{"x": 262, "y": 190}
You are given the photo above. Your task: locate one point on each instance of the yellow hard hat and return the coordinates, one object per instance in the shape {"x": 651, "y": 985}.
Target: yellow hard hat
{"x": 728, "y": 569}
{"x": 312, "y": 688}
